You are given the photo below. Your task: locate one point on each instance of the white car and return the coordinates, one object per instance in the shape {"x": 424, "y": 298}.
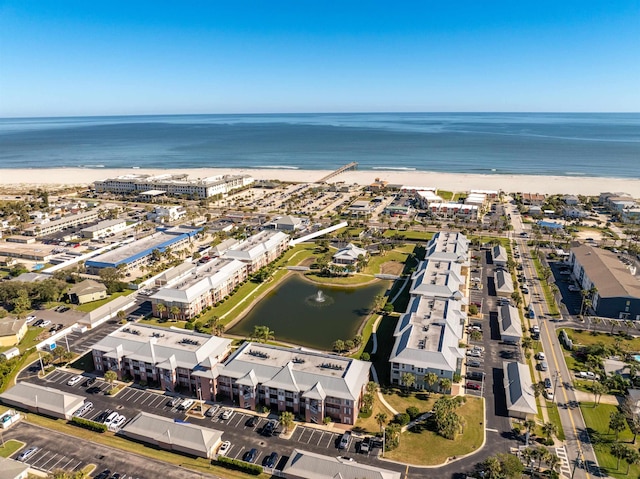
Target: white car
{"x": 540, "y": 356}
{"x": 30, "y": 319}
{"x": 548, "y": 394}
{"x": 45, "y": 323}
{"x": 111, "y": 418}
{"x": 118, "y": 423}
{"x": 74, "y": 380}
{"x": 186, "y": 404}
{"x": 474, "y": 353}
{"x": 227, "y": 413}
{"x": 224, "y": 448}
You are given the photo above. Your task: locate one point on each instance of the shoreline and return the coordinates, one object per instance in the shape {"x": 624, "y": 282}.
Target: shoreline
{"x": 18, "y": 179}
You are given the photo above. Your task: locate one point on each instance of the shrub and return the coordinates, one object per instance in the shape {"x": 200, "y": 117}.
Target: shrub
{"x": 413, "y": 412}
{"x": 87, "y": 424}
{"x": 365, "y": 357}
{"x": 229, "y": 463}
{"x": 402, "y": 418}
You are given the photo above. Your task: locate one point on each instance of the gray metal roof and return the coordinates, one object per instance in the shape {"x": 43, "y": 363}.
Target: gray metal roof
{"x": 503, "y": 281}
{"x": 607, "y": 272}
{"x": 42, "y": 398}
{"x": 309, "y": 465}
{"x": 509, "y": 321}
{"x": 519, "y": 388}
{"x": 160, "y": 429}
{"x": 10, "y": 469}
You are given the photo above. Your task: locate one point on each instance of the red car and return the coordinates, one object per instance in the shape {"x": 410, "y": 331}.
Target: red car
{"x": 474, "y": 386}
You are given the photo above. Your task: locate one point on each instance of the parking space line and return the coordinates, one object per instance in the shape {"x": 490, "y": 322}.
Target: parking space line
{"x": 321, "y": 436}
{"x": 301, "y": 433}
{"x": 239, "y": 419}
{"x": 331, "y": 439}
{"x": 312, "y": 433}
{"x": 44, "y": 464}
{"x": 160, "y": 399}
{"x": 62, "y": 458}
{"x": 147, "y": 397}
{"x": 76, "y": 466}
{"x": 124, "y": 394}
{"x": 39, "y": 458}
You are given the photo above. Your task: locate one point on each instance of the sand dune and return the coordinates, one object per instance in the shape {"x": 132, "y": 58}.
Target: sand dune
{"x": 29, "y": 178}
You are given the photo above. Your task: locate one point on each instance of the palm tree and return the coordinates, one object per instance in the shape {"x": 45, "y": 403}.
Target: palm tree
{"x": 372, "y": 387}
{"x": 286, "y": 419}
{"x": 445, "y": 384}
{"x": 632, "y": 457}
{"x": 530, "y": 425}
{"x": 549, "y": 429}
{"x": 431, "y": 379}
{"x": 175, "y": 311}
{"x": 619, "y": 451}
{"x": 110, "y": 377}
{"x": 542, "y": 454}
{"x": 381, "y": 419}
{"x": 263, "y": 334}
{"x": 121, "y": 315}
{"x": 160, "y": 308}
{"x": 408, "y": 380}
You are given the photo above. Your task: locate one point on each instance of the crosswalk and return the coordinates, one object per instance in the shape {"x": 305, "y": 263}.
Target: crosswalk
{"x": 565, "y": 467}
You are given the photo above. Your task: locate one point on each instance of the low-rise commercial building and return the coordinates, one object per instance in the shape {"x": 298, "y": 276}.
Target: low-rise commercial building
{"x": 503, "y": 283}
{"x": 11, "y": 469}
{"x": 87, "y": 291}
{"x": 172, "y": 435}
{"x": 350, "y": 254}
{"x": 509, "y": 324}
{"x": 12, "y": 330}
{"x": 310, "y": 384}
{"x": 42, "y": 400}
{"x": 518, "y": 387}
{"x": 499, "y": 255}
{"x": 617, "y": 289}
{"x": 310, "y": 465}
{"x": 162, "y": 357}
{"x": 140, "y": 252}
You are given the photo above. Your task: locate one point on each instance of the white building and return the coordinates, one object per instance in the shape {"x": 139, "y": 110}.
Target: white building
{"x": 104, "y": 229}
{"x": 503, "y": 283}
{"x": 259, "y": 250}
{"x": 168, "y": 214}
{"x": 428, "y": 333}
{"x": 349, "y": 254}
{"x": 70, "y": 221}
{"x": 177, "y": 185}
{"x": 510, "y": 324}
{"x": 499, "y": 255}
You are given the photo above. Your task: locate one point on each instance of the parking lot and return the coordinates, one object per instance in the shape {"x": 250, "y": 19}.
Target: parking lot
{"x": 243, "y": 437}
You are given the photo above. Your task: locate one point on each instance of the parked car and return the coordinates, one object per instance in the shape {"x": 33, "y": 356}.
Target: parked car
{"x": 543, "y": 366}
{"x": 250, "y": 455}
{"x": 186, "y": 404}
{"x": 119, "y": 422}
{"x": 74, "y": 380}
{"x": 474, "y": 386}
{"x": 365, "y": 445}
{"x": 540, "y": 356}
{"x": 30, "y": 318}
{"x": 224, "y": 448}
{"x": 174, "y": 402}
{"x": 84, "y": 409}
{"x": 474, "y": 363}
{"x": 227, "y": 413}
{"x": 271, "y": 460}
{"x": 104, "y": 474}
{"x": 111, "y": 418}
{"x": 38, "y": 323}
{"x": 476, "y": 375}
{"x": 344, "y": 440}
{"x": 89, "y": 382}
{"x": 548, "y": 394}
{"x": 269, "y": 429}
{"x": 535, "y": 329}
{"x": 474, "y": 353}
{"x": 212, "y": 410}
{"x": 45, "y": 323}
{"x": 547, "y": 382}
{"x": 27, "y": 453}
{"x": 252, "y": 421}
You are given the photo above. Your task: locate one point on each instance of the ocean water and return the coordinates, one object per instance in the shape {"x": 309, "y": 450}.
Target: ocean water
{"x": 494, "y": 143}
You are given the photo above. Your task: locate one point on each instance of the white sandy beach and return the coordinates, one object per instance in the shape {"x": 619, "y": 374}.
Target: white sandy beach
{"x": 29, "y": 178}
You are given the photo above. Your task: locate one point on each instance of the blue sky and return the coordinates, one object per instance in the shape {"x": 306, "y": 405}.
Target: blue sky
{"x": 60, "y": 58}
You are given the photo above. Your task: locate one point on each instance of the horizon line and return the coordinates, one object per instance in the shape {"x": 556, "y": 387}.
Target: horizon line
{"x": 458, "y": 112}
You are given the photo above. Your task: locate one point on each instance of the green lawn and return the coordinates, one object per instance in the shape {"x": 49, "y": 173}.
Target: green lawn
{"x": 84, "y": 363}
{"x": 554, "y": 417}
{"x": 424, "y": 447}
{"x": 349, "y": 280}
{"x": 400, "y": 401}
{"x": 88, "y": 307}
{"x": 399, "y": 255}
{"x": 597, "y": 421}
{"x": 9, "y": 447}
{"x": 548, "y": 296}
{"x": 409, "y": 234}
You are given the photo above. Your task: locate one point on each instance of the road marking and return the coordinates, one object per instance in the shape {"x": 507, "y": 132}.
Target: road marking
{"x": 76, "y": 466}
{"x": 149, "y": 396}
{"x": 312, "y": 433}
{"x": 491, "y": 429}
{"x": 331, "y": 439}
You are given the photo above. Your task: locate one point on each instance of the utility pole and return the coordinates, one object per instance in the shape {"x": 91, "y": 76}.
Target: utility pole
{"x": 555, "y": 386}
{"x": 578, "y": 462}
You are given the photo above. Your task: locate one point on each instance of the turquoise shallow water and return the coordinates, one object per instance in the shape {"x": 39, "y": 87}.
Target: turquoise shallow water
{"x": 492, "y": 143}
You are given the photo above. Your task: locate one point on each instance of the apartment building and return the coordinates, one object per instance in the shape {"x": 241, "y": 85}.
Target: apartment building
{"x": 310, "y": 384}
{"x": 199, "y": 287}
{"x": 428, "y": 333}
{"x": 104, "y": 229}
{"x": 162, "y": 357}
{"x": 44, "y": 229}
{"x": 616, "y": 282}
{"x": 174, "y": 184}
{"x": 259, "y": 250}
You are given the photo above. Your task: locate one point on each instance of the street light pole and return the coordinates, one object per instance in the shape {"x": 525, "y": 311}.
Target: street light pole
{"x": 555, "y": 386}
{"x": 577, "y": 462}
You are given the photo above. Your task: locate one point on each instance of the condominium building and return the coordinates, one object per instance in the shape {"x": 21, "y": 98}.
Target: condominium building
{"x": 199, "y": 287}
{"x": 615, "y": 282}
{"x": 162, "y": 357}
{"x": 174, "y": 184}
{"x": 104, "y": 229}
{"x": 428, "y": 333}
{"x": 310, "y": 384}
{"x": 259, "y": 250}
{"x": 44, "y": 229}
